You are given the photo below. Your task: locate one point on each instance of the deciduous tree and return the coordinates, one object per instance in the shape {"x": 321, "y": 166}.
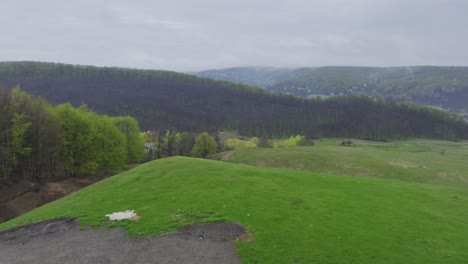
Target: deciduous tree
{"x": 204, "y": 146}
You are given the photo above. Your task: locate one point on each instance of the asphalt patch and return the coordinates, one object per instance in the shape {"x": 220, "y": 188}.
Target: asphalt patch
{"x": 63, "y": 241}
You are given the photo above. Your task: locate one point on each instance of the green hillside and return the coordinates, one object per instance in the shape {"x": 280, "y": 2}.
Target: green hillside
{"x": 424, "y": 161}
{"x": 294, "y": 216}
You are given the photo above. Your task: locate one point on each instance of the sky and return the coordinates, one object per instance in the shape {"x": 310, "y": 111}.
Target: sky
{"x": 194, "y": 35}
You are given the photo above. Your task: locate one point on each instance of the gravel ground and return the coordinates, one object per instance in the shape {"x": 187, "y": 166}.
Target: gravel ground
{"x": 62, "y": 241}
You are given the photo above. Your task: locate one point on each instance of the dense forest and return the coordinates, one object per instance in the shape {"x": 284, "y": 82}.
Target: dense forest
{"x": 39, "y": 142}
{"x": 256, "y": 76}
{"x": 162, "y": 100}
{"x": 445, "y": 87}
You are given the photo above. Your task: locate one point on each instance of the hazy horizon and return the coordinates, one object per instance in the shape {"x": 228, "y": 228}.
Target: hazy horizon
{"x": 234, "y": 67}
{"x": 191, "y": 36}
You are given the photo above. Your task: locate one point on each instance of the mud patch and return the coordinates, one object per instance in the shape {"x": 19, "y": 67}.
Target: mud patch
{"x": 20, "y": 198}
{"x": 62, "y": 241}
{"x": 247, "y": 238}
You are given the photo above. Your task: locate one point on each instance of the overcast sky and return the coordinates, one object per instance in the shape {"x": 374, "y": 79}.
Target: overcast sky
{"x": 194, "y": 35}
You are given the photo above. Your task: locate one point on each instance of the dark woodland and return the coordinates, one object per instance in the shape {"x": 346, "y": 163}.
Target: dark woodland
{"x": 162, "y": 100}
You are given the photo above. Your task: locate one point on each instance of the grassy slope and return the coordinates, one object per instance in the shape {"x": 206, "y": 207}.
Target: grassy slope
{"x": 412, "y": 160}
{"x": 296, "y": 217}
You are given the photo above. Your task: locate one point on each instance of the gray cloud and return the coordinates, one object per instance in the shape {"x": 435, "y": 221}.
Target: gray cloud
{"x": 195, "y": 35}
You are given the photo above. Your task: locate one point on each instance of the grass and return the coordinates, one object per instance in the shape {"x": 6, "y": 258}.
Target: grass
{"x": 294, "y": 216}
{"x": 424, "y": 161}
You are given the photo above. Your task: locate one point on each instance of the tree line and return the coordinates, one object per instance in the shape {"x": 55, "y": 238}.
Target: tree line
{"x": 162, "y": 100}
{"x": 39, "y": 141}
{"x": 444, "y": 87}
{"x": 172, "y": 143}
{"x": 441, "y": 86}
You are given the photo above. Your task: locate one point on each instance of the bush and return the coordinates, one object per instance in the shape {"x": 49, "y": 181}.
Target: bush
{"x": 204, "y": 146}
{"x": 238, "y": 143}
{"x": 293, "y": 141}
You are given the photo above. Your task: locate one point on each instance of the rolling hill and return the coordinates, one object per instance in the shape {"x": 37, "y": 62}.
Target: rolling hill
{"x": 167, "y": 100}
{"x": 421, "y": 161}
{"x": 445, "y": 87}
{"x": 293, "y": 216}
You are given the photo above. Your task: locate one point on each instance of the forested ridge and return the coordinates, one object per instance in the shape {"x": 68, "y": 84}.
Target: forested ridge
{"x": 256, "y": 76}
{"x": 162, "y": 100}
{"x": 445, "y": 87}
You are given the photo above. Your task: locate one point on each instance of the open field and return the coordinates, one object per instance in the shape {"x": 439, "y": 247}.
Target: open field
{"x": 425, "y": 161}
{"x": 293, "y": 216}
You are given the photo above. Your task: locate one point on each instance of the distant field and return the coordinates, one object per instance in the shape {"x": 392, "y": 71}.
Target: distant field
{"x": 293, "y": 216}
{"x": 425, "y": 161}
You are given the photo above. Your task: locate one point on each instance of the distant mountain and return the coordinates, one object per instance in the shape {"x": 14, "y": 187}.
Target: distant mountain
{"x": 444, "y": 87}
{"x": 162, "y": 100}
{"x": 255, "y": 76}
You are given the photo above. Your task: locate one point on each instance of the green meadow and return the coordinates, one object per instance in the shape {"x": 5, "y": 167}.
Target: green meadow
{"x": 293, "y": 216}
{"x": 424, "y": 161}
